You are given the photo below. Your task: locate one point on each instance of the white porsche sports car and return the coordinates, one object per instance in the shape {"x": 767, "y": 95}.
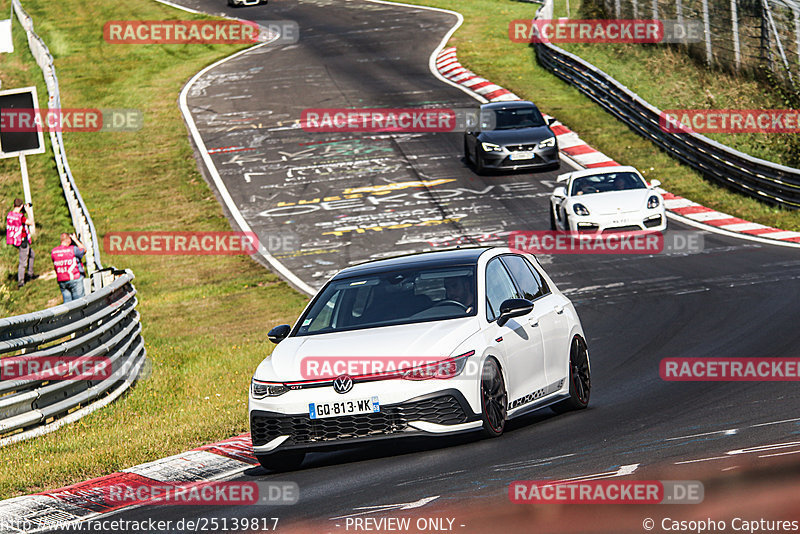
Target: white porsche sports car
{"x": 235, "y": 3}
{"x": 606, "y": 199}
{"x": 432, "y": 343}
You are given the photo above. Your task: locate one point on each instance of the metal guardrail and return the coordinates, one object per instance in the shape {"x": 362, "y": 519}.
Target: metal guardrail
{"x": 81, "y": 219}
{"x": 760, "y": 179}
{"x": 104, "y": 324}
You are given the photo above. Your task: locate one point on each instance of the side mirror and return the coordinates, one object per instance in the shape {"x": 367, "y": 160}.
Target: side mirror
{"x": 655, "y": 183}
{"x": 560, "y": 192}
{"x": 550, "y": 121}
{"x": 279, "y": 333}
{"x": 513, "y": 308}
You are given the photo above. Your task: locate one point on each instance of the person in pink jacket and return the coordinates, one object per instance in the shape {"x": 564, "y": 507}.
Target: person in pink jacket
{"x": 69, "y": 269}
{"x": 19, "y": 235}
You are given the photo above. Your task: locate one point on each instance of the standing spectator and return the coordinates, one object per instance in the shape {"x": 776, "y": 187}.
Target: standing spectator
{"x": 69, "y": 269}
{"x": 18, "y": 234}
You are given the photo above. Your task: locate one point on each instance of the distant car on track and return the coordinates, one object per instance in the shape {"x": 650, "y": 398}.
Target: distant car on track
{"x": 235, "y": 3}
{"x": 510, "y": 136}
{"x": 492, "y": 336}
{"x": 606, "y": 199}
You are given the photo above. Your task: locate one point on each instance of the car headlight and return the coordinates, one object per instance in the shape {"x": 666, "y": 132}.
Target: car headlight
{"x": 548, "y": 143}
{"x": 443, "y": 369}
{"x": 491, "y": 147}
{"x": 261, "y": 389}
{"x": 652, "y": 202}
{"x": 580, "y": 209}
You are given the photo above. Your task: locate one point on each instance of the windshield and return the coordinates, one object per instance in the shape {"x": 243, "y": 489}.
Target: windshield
{"x": 512, "y": 119}
{"x": 392, "y": 298}
{"x": 603, "y": 183}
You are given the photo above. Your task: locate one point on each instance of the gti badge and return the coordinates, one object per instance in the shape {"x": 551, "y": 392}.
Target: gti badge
{"x": 342, "y": 384}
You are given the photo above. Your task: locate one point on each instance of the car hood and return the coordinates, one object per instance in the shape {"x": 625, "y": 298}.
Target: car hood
{"x": 429, "y": 340}
{"x": 613, "y": 202}
{"x": 522, "y": 136}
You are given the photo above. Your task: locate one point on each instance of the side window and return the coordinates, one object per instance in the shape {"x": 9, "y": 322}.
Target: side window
{"x": 528, "y": 283}
{"x": 499, "y": 288}
{"x": 539, "y": 279}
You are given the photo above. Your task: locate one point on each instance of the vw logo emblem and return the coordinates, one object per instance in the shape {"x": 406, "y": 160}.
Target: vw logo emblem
{"x": 342, "y": 384}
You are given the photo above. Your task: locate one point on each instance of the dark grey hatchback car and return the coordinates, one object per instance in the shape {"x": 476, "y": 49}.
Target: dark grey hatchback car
{"x": 510, "y": 136}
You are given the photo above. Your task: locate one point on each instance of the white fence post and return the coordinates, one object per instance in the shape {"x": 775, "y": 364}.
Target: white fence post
{"x": 707, "y": 31}
{"x": 737, "y": 54}
{"x": 797, "y": 33}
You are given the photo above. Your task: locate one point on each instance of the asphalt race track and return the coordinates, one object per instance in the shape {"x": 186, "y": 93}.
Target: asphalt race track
{"x": 733, "y": 298}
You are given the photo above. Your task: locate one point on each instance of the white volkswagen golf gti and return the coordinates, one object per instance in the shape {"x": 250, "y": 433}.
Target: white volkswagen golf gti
{"x": 425, "y": 344}
{"x": 606, "y": 199}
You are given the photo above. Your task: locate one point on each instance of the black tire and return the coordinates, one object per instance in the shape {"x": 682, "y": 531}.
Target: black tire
{"x": 467, "y": 156}
{"x": 580, "y": 381}
{"x": 494, "y": 399}
{"x": 553, "y": 226}
{"x": 281, "y": 461}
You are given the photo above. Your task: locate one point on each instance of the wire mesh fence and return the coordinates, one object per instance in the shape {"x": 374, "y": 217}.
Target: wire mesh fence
{"x": 753, "y": 37}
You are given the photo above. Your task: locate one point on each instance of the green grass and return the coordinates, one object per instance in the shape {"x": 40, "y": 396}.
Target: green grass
{"x": 661, "y": 75}
{"x": 50, "y": 210}
{"x": 204, "y": 318}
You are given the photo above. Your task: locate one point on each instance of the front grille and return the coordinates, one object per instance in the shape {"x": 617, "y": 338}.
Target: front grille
{"x": 631, "y": 228}
{"x": 520, "y": 148}
{"x": 443, "y": 410}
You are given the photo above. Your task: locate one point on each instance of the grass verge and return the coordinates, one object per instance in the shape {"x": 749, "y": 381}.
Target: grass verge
{"x": 485, "y": 48}
{"x": 204, "y": 317}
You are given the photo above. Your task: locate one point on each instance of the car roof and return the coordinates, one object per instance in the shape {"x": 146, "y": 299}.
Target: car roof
{"x": 515, "y": 104}
{"x": 441, "y": 258}
{"x": 601, "y": 170}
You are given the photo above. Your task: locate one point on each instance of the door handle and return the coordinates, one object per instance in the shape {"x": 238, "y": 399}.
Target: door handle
{"x": 559, "y": 308}
{"x": 533, "y": 321}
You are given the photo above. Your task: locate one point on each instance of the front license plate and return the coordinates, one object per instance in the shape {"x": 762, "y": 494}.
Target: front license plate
{"x": 516, "y": 156}
{"x": 320, "y": 410}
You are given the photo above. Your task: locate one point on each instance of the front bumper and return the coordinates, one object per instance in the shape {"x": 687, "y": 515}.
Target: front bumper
{"x": 625, "y": 222}
{"x": 442, "y": 412}
{"x": 544, "y": 157}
